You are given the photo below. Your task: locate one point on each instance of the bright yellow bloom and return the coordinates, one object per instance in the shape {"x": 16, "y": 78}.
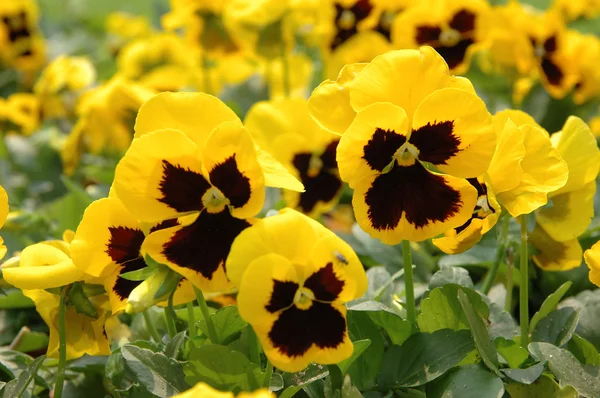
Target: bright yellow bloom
{"x": 299, "y": 75}
{"x": 592, "y": 259}
{"x": 205, "y": 391}
{"x": 294, "y": 276}
{"x": 63, "y": 78}
{"x": 107, "y": 244}
{"x": 409, "y": 111}
{"x": 572, "y": 205}
{"x": 123, "y": 28}
{"x": 3, "y": 215}
{"x": 587, "y": 48}
{"x": 574, "y": 9}
{"x": 525, "y": 167}
{"x": 107, "y": 115}
{"x": 452, "y": 27}
{"x": 553, "y": 255}
{"x": 19, "y": 114}
{"x": 285, "y": 129}
{"x": 192, "y": 157}
{"x": 20, "y": 38}
{"x": 84, "y": 335}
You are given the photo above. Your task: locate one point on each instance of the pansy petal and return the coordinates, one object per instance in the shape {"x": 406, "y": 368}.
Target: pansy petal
{"x": 404, "y": 78}
{"x": 195, "y": 114}
{"x": 289, "y": 234}
{"x": 369, "y": 144}
{"x": 412, "y": 203}
{"x": 329, "y": 103}
{"x": 160, "y": 176}
{"x": 553, "y": 255}
{"x": 505, "y": 168}
{"x": 544, "y": 171}
{"x": 570, "y": 213}
{"x": 3, "y": 206}
{"x": 453, "y": 130}
{"x": 592, "y": 259}
{"x": 232, "y": 166}
{"x": 519, "y": 118}
{"x": 454, "y": 243}
{"x": 577, "y": 146}
{"x": 102, "y": 220}
{"x": 198, "y": 251}
{"x": 276, "y": 175}
{"x": 43, "y": 276}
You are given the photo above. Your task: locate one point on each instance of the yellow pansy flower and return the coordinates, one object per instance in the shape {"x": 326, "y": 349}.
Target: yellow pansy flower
{"x": 63, "y": 78}
{"x": 107, "y": 243}
{"x": 122, "y": 28}
{"x": 525, "y": 167}
{"x": 592, "y": 259}
{"x": 84, "y": 335}
{"x": 192, "y": 157}
{"x": 410, "y": 111}
{"x": 587, "y": 48}
{"x": 20, "y": 38}
{"x": 19, "y": 114}
{"x": 452, "y": 27}
{"x": 573, "y": 204}
{"x": 574, "y": 9}
{"x": 205, "y": 391}
{"x": 106, "y": 118}
{"x": 3, "y": 215}
{"x": 286, "y": 130}
{"x": 294, "y": 276}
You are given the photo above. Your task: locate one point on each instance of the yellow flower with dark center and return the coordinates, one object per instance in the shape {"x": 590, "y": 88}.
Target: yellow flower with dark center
{"x": 3, "y": 215}
{"x": 205, "y": 391}
{"x": 572, "y": 206}
{"x": 106, "y": 118}
{"x": 287, "y": 131}
{"x": 20, "y": 39}
{"x": 525, "y": 167}
{"x": 484, "y": 217}
{"x": 452, "y": 27}
{"x": 592, "y": 259}
{"x": 160, "y": 62}
{"x": 411, "y": 116}
{"x": 294, "y": 277}
{"x": 84, "y": 335}
{"x": 19, "y": 114}
{"x": 192, "y": 157}
{"x": 61, "y": 81}
{"x": 108, "y": 243}
{"x": 587, "y": 48}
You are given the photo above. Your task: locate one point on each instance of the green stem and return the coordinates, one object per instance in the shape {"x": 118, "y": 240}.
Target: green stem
{"x": 411, "y": 310}
{"x": 524, "y": 288}
{"x": 171, "y": 328}
{"x": 150, "y": 327}
{"x": 285, "y": 66}
{"x": 268, "y": 374}
{"x": 509, "y": 287}
{"x": 191, "y": 320}
{"x": 212, "y": 332}
{"x": 62, "y": 343}
{"x": 500, "y": 252}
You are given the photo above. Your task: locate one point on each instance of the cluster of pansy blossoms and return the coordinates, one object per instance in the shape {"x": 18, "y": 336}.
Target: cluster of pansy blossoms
{"x": 235, "y": 183}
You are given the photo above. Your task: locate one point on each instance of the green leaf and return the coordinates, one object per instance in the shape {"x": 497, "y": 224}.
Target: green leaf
{"x": 368, "y": 306}
{"x": 381, "y": 285}
{"x": 448, "y": 274}
{"x": 484, "y": 344}
{"x": 228, "y": 323}
{"x": 359, "y": 347}
{"x": 549, "y": 304}
{"x": 173, "y": 346}
{"x": 160, "y": 375}
{"x": 81, "y": 302}
{"x": 397, "y": 328}
{"x": 583, "y": 350}
{"x": 138, "y": 275}
{"x": 431, "y": 355}
{"x": 567, "y": 369}
{"x": 442, "y": 310}
{"x": 588, "y": 304}
{"x": 511, "y": 351}
{"x": 557, "y": 327}
{"x": 545, "y": 387}
{"x": 16, "y": 387}
{"x": 365, "y": 368}
{"x": 527, "y": 375}
{"x": 471, "y": 381}
{"x": 14, "y": 298}
{"x": 222, "y": 368}
{"x": 32, "y": 341}
{"x": 290, "y": 391}
{"x": 307, "y": 376}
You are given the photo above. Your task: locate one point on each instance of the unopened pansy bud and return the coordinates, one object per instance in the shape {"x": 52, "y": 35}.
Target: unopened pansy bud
{"x": 151, "y": 291}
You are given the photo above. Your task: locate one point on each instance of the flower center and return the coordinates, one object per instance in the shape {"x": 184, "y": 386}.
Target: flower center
{"x": 303, "y": 298}
{"x": 539, "y": 51}
{"x": 314, "y": 166}
{"x": 214, "y": 201}
{"x": 449, "y": 37}
{"x": 347, "y": 20}
{"x": 406, "y": 155}
{"x": 387, "y": 18}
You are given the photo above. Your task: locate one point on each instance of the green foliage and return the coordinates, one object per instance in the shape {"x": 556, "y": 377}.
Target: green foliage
{"x": 471, "y": 381}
